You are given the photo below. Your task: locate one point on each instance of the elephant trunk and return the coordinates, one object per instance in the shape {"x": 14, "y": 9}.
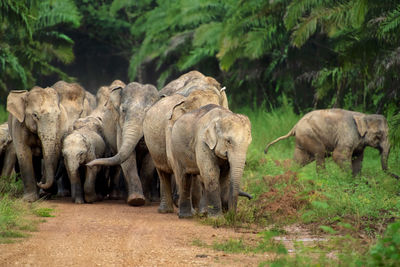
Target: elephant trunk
{"x": 131, "y": 135}
{"x": 236, "y": 172}
{"x": 384, "y": 149}
{"x": 51, "y": 155}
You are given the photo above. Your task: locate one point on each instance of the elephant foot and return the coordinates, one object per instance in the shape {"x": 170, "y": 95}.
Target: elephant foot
{"x": 214, "y": 213}
{"x": 115, "y": 195}
{"x": 90, "y": 198}
{"x": 30, "y": 197}
{"x": 185, "y": 215}
{"x": 135, "y": 199}
{"x": 79, "y": 201}
{"x": 63, "y": 193}
{"x": 164, "y": 208}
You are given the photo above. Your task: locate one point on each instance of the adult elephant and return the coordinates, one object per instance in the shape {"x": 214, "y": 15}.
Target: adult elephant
{"x": 210, "y": 144}
{"x": 8, "y": 159}
{"x": 341, "y": 133}
{"x": 132, "y": 103}
{"x": 38, "y": 119}
{"x": 158, "y": 121}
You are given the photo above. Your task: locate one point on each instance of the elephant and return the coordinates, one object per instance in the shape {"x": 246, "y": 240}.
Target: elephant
{"x": 8, "y": 158}
{"x": 37, "y": 121}
{"x": 85, "y": 143}
{"x": 343, "y": 134}
{"x": 158, "y": 122}
{"x": 191, "y": 81}
{"x": 210, "y": 144}
{"x": 131, "y": 103}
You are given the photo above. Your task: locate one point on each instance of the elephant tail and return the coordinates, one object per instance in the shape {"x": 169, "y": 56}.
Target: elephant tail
{"x": 289, "y": 134}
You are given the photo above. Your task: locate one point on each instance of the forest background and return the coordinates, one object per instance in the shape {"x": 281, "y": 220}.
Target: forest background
{"x": 319, "y": 54}
{"x": 278, "y": 60}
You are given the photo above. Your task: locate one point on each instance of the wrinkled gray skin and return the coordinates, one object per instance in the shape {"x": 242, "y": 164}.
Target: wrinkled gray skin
{"x": 38, "y": 119}
{"x": 7, "y": 152}
{"x": 158, "y": 122}
{"x": 210, "y": 144}
{"x": 132, "y": 103}
{"x": 85, "y": 143}
{"x": 342, "y": 133}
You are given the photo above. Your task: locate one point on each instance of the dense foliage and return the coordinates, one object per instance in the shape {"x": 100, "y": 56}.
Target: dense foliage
{"x": 319, "y": 53}
{"x": 31, "y": 40}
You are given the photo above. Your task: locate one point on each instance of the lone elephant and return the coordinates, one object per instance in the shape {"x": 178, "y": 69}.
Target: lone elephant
{"x": 210, "y": 144}
{"x": 341, "y": 133}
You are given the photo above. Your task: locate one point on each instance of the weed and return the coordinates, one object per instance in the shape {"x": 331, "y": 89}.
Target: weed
{"x": 43, "y": 212}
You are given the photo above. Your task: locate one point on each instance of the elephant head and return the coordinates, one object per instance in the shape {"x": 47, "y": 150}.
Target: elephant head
{"x": 39, "y": 110}
{"x": 229, "y": 136}
{"x": 374, "y": 132}
{"x": 132, "y": 102}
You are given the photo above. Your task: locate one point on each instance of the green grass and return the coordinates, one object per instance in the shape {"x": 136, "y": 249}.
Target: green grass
{"x": 332, "y": 202}
{"x": 17, "y": 218}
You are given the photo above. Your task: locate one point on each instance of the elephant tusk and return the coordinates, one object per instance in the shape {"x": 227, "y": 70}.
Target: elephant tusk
{"x": 222, "y": 89}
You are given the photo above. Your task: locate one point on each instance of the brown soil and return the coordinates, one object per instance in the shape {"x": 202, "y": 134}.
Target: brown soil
{"x": 111, "y": 233}
{"x": 282, "y": 202}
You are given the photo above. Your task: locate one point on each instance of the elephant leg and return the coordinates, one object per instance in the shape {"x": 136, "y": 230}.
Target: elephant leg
{"x": 196, "y": 192}
{"x": 147, "y": 170}
{"x": 356, "y": 163}
{"x": 166, "y": 204}
{"x": 76, "y": 186}
{"x": 185, "y": 203}
{"x": 28, "y": 177}
{"x": 10, "y": 160}
{"x": 342, "y": 157}
{"x": 302, "y": 157}
{"x": 225, "y": 186}
{"x": 135, "y": 191}
{"x": 116, "y": 191}
{"x": 90, "y": 183}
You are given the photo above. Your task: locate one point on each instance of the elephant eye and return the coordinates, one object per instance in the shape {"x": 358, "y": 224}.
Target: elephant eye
{"x": 35, "y": 115}
{"x": 229, "y": 141}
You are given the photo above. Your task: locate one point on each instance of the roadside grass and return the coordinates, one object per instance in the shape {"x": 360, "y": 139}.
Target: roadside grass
{"x": 355, "y": 210}
{"x": 18, "y": 218}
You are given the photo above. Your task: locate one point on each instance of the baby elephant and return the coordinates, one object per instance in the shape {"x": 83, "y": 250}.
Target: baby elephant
{"x": 81, "y": 146}
{"x": 342, "y": 133}
{"x": 210, "y": 144}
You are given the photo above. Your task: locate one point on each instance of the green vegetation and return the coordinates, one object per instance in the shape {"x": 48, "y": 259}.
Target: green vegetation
{"x": 17, "y": 218}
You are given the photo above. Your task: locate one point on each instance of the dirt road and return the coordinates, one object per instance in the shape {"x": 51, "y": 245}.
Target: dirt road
{"x": 111, "y": 233}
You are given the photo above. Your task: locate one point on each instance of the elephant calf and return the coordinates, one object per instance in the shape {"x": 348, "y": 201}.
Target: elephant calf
{"x": 8, "y": 158}
{"x": 210, "y": 144}
{"x": 81, "y": 146}
{"x": 342, "y": 133}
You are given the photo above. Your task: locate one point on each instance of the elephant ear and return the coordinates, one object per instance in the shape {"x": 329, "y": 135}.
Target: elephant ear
{"x": 115, "y": 96}
{"x": 361, "y": 124}
{"x": 176, "y": 111}
{"x": 210, "y": 134}
{"x": 16, "y": 104}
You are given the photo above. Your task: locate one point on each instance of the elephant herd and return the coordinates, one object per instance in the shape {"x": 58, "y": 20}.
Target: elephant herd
{"x": 182, "y": 138}
{"x": 184, "y": 134}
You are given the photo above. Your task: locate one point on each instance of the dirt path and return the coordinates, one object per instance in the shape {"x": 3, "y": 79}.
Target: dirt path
{"x": 111, "y": 233}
